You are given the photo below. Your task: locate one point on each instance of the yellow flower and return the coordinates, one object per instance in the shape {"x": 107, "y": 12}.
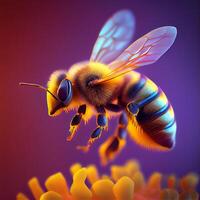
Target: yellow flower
{"x": 125, "y": 183}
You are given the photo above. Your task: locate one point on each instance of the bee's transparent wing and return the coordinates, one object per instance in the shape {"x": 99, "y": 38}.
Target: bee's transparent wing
{"x": 114, "y": 37}
{"x": 148, "y": 49}
{"x": 144, "y": 51}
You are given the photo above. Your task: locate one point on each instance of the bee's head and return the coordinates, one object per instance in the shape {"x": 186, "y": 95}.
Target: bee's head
{"x": 61, "y": 88}
{"x": 59, "y": 92}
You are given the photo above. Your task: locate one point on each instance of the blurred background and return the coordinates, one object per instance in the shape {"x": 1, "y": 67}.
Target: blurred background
{"x": 38, "y": 37}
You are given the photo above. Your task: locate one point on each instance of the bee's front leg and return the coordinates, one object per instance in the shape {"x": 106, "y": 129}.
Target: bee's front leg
{"x": 102, "y": 123}
{"x": 75, "y": 122}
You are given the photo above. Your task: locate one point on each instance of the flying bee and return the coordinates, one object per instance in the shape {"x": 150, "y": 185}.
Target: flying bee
{"x": 107, "y": 85}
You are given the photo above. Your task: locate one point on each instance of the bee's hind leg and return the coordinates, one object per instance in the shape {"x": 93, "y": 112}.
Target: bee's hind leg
{"x": 75, "y": 122}
{"x": 114, "y": 144}
{"x": 102, "y": 123}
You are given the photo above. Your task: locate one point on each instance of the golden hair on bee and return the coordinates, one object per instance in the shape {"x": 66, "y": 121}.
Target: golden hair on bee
{"x": 106, "y": 85}
{"x": 96, "y": 94}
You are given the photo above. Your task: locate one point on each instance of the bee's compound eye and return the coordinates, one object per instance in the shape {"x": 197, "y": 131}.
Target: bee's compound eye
{"x": 64, "y": 90}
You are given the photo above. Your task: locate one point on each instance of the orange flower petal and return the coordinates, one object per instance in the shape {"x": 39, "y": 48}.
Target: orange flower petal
{"x": 51, "y": 196}
{"x": 58, "y": 184}
{"x": 74, "y": 168}
{"x": 92, "y": 174}
{"x": 21, "y": 196}
{"x": 103, "y": 189}
{"x": 124, "y": 189}
{"x": 79, "y": 189}
{"x": 35, "y": 188}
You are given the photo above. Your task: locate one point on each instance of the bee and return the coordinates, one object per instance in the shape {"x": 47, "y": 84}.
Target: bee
{"x": 107, "y": 86}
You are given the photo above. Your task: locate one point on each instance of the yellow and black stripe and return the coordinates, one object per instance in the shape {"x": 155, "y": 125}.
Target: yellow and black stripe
{"x": 155, "y": 118}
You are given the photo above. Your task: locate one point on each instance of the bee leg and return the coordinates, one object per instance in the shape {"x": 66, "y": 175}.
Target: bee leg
{"x": 75, "y": 122}
{"x": 102, "y": 123}
{"x": 114, "y": 144}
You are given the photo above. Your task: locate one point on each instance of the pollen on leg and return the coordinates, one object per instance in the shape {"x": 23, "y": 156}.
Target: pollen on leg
{"x": 75, "y": 122}
{"x": 72, "y": 131}
{"x": 84, "y": 149}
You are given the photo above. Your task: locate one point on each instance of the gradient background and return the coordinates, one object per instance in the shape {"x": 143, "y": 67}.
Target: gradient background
{"x": 38, "y": 37}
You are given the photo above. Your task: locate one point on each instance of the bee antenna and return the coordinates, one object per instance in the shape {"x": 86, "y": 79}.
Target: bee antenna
{"x": 40, "y": 87}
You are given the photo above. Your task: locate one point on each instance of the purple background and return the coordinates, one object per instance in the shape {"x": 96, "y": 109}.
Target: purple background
{"x": 37, "y": 38}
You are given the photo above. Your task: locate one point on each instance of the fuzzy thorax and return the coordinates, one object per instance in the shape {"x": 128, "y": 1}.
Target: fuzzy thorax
{"x": 99, "y": 94}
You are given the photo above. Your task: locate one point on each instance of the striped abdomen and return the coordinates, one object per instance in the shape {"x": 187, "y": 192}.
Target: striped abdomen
{"x": 156, "y": 116}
